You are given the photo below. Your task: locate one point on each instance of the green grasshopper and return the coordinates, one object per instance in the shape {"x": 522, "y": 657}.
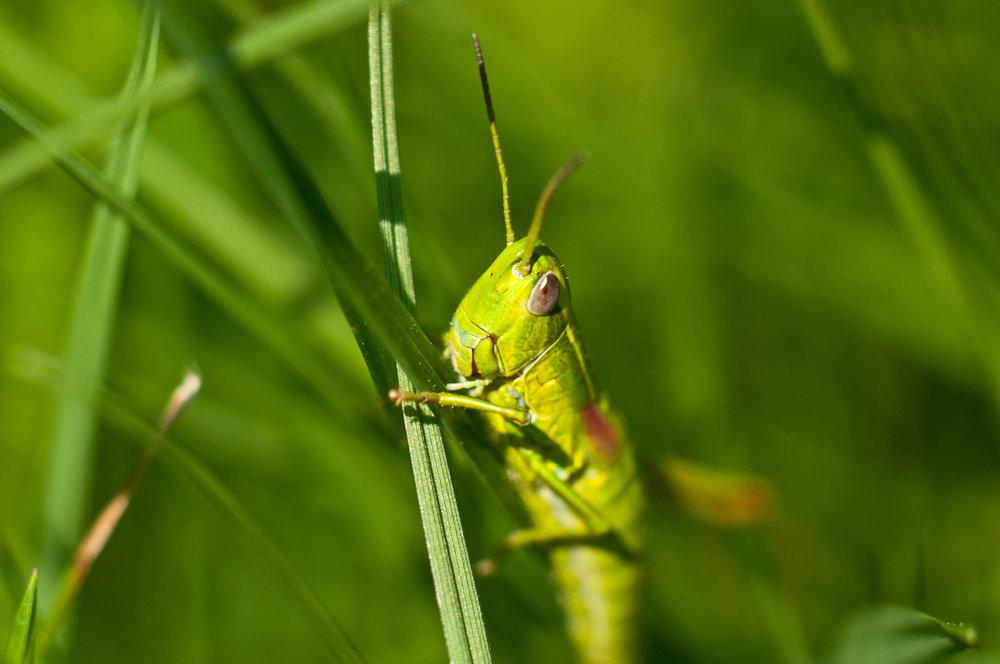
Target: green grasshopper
{"x": 516, "y": 341}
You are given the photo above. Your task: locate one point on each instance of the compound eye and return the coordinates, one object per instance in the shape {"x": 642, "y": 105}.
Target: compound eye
{"x": 544, "y": 295}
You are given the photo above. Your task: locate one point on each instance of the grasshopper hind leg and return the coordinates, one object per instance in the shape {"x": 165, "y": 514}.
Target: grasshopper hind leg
{"x": 517, "y": 539}
{"x": 593, "y": 525}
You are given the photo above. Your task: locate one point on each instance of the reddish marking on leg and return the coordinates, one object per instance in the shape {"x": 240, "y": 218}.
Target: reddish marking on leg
{"x": 602, "y": 436}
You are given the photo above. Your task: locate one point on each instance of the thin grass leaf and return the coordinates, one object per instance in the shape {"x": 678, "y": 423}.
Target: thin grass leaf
{"x": 204, "y": 212}
{"x": 897, "y": 635}
{"x": 225, "y": 229}
{"x": 350, "y": 274}
{"x": 285, "y": 342}
{"x": 458, "y": 600}
{"x": 222, "y": 500}
{"x": 107, "y": 520}
{"x": 94, "y": 307}
{"x": 369, "y": 303}
{"x": 360, "y": 287}
{"x": 21, "y": 645}
{"x": 905, "y": 194}
{"x": 329, "y": 100}
{"x": 43, "y": 369}
{"x": 37, "y": 77}
{"x": 465, "y": 633}
{"x": 268, "y": 38}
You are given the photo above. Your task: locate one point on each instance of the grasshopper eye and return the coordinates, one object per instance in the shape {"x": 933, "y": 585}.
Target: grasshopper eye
{"x": 544, "y": 295}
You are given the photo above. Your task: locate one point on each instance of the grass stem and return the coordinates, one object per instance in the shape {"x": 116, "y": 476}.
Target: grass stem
{"x": 465, "y": 633}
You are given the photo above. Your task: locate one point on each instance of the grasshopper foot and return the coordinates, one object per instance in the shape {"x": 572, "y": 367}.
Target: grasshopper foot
{"x": 397, "y": 397}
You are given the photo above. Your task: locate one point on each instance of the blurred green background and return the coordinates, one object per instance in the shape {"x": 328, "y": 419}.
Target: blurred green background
{"x": 785, "y": 254}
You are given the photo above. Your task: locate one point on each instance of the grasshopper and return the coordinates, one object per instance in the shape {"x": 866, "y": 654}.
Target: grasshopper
{"x": 516, "y": 342}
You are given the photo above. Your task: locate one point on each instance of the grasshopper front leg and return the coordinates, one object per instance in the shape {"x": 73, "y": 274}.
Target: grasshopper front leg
{"x": 594, "y": 525}
{"x": 519, "y": 416}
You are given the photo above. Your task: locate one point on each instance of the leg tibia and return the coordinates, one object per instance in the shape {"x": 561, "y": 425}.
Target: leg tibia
{"x": 519, "y": 416}
{"x": 541, "y": 536}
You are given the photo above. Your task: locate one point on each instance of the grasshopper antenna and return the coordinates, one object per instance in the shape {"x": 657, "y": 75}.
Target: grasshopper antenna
{"x": 527, "y": 253}
{"x": 496, "y": 140}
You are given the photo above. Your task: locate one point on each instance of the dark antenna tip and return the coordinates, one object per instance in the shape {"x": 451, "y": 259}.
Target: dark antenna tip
{"x": 496, "y": 139}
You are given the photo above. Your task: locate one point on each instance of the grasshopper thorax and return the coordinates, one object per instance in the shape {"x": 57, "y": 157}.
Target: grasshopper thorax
{"x": 510, "y": 317}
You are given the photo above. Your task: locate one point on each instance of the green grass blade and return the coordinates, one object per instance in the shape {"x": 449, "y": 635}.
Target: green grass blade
{"x": 456, "y": 590}
{"x": 121, "y": 412}
{"x": 203, "y": 212}
{"x": 330, "y": 101}
{"x": 283, "y": 341}
{"x": 225, "y": 503}
{"x": 21, "y": 645}
{"x": 266, "y": 39}
{"x": 904, "y": 192}
{"x": 377, "y": 316}
{"x": 292, "y": 191}
{"x": 222, "y": 500}
{"x": 897, "y": 635}
{"x": 292, "y": 28}
{"x": 36, "y": 77}
{"x": 92, "y": 321}
{"x": 223, "y": 228}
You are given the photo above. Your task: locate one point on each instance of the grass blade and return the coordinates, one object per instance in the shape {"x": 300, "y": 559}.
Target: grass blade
{"x": 458, "y": 600}
{"x": 352, "y": 277}
{"x": 204, "y": 213}
{"x": 376, "y": 314}
{"x": 222, "y": 500}
{"x": 266, "y": 39}
{"x": 360, "y": 287}
{"x": 897, "y": 635}
{"x": 904, "y": 192}
{"x": 103, "y": 527}
{"x": 37, "y": 367}
{"x": 92, "y": 322}
{"x": 21, "y": 645}
{"x": 283, "y": 341}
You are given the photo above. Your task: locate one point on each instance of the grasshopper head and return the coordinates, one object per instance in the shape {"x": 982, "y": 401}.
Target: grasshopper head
{"x": 509, "y": 317}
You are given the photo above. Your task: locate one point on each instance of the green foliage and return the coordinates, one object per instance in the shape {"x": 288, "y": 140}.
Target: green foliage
{"x": 782, "y": 254}
{"x": 464, "y": 632}
{"x": 92, "y": 319}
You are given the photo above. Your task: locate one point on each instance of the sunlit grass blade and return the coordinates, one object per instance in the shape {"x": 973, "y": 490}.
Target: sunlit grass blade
{"x": 897, "y": 635}
{"x": 92, "y": 321}
{"x": 21, "y": 645}
{"x": 456, "y": 590}
{"x": 267, "y": 38}
{"x": 351, "y": 275}
{"x": 368, "y": 301}
{"x": 328, "y": 100}
{"x": 258, "y": 320}
{"x": 103, "y": 527}
{"x": 31, "y": 75}
{"x": 223, "y": 228}
{"x": 222, "y": 500}
{"x": 905, "y": 193}
{"x": 120, "y": 411}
